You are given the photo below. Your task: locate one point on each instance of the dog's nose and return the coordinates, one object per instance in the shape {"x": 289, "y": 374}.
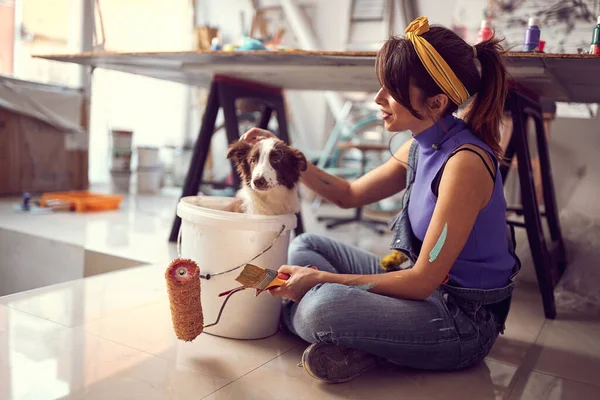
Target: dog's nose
{"x": 260, "y": 183}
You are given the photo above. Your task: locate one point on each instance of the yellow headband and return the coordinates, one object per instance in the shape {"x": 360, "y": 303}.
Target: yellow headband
{"x": 433, "y": 62}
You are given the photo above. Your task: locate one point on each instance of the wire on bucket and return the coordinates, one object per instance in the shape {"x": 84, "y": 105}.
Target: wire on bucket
{"x": 208, "y": 276}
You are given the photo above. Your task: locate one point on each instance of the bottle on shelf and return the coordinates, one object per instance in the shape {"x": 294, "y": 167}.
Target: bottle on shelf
{"x": 532, "y": 35}
{"x": 595, "y": 46}
{"x": 485, "y": 32}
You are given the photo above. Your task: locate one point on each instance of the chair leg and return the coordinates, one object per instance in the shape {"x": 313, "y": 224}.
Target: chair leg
{"x": 201, "y": 148}
{"x": 550, "y": 195}
{"x": 299, "y": 225}
{"x": 537, "y": 242}
{"x": 265, "y": 117}
{"x": 509, "y": 154}
{"x": 282, "y": 120}
{"x": 232, "y": 127}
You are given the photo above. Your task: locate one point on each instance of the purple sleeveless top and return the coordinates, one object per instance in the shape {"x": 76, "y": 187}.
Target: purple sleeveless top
{"x": 485, "y": 261}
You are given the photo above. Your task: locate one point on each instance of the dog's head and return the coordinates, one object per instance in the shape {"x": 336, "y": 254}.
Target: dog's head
{"x": 267, "y": 164}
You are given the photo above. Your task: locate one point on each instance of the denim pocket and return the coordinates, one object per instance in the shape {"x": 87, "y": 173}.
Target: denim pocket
{"x": 463, "y": 322}
{"x": 478, "y": 334}
{"x": 477, "y": 356}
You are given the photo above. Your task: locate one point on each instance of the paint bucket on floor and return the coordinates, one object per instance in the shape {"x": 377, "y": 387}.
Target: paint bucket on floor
{"x": 120, "y": 181}
{"x": 148, "y": 157}
{"x": 121, "y": 160}
{"x": 219, "y": 241}
{"x": 149, "y": 179}
{"x": 121, "y": 139}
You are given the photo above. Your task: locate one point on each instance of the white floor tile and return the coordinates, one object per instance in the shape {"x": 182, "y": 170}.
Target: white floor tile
{"x": 150, "y": 329}
{"x": 570, "y": 349}
{"x": 523, "y": 326}
{"x": 283, "y": 379}
{"x": 536, "y": 386}
{"x": 43, "y": 360}
{"x": 73, "y": 303}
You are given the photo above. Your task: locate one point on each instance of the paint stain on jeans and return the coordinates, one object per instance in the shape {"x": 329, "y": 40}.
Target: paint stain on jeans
{"x": 433, "y": 254}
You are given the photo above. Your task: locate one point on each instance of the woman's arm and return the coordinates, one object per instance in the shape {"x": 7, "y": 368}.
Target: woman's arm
{"x": 378, "y": 184}
{"x": 465, "y": 188}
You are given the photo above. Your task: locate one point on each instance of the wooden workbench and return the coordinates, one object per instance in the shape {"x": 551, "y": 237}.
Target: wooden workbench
{"x": 559, "y": 77}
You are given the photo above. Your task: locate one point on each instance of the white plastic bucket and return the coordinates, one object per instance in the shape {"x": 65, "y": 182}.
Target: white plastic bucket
{"x": 121, "y": 160}
{"x": 121, "y": 139}
{"x": 120, "y": 181}
{"x": 148, "y": 157}
{"x": 149, "y": 180}
{"x": 218, "y": 241}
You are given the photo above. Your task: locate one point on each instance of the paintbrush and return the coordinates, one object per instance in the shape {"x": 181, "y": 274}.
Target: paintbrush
{"x": 253, "y": 276}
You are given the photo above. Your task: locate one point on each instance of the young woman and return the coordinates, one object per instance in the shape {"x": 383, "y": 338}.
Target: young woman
{"x": 446, "y": 310}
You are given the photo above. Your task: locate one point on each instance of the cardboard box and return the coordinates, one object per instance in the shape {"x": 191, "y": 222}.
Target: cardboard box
{"x": 34, "y": 157}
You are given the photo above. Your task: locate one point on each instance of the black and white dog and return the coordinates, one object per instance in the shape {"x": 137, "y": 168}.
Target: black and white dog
{"x": 270, "y": 173}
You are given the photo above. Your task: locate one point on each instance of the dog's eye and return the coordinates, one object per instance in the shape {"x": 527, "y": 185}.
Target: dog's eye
{"x": 276, "y": 158}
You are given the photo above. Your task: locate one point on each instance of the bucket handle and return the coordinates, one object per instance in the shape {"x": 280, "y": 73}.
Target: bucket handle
{"x": 208, "y": 276}
{"x": 234, "y": 291}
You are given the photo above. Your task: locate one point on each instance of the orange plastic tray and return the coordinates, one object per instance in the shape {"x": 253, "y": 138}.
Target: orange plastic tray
{"x": 85, "y": 201}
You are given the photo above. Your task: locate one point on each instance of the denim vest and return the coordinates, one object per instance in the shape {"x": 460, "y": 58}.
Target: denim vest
{"x": 496, "y": 301}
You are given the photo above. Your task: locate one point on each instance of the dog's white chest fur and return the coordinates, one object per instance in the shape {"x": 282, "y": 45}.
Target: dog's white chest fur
{"x": 277, "y": 201}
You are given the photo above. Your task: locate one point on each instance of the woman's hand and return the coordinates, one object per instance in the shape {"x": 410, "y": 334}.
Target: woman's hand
{"x": 301, "y": 280}
{"x": 255, "y": 135}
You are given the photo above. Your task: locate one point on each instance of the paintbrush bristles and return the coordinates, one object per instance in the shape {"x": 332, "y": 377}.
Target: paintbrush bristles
{"x": 250, "y": 275}
{"x": 253, "y": 276}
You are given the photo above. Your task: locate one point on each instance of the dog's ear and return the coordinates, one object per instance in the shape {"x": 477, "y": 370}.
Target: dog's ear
{"x": 300, "y": 159}
{"x": 238, "y": 150}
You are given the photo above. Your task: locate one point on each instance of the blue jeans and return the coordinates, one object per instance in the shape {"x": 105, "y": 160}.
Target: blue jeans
{"x": 439, "y": 333}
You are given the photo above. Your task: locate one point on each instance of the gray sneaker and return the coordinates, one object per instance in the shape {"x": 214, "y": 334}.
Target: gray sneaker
{"x": 333, "y": 363}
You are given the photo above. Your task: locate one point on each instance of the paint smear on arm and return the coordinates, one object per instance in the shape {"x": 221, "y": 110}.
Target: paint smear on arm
{"x": 365, "y": 286}
{"x": 433, "y": 254}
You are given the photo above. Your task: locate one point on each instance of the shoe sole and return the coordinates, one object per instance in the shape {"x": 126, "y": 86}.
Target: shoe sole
{"x": 310, "y": 372}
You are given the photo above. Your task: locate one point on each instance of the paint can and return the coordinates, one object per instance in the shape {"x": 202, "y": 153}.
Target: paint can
{"x": 208, "y": 235}
{"x": 120, "y": 181}
{"x": 148, "y": 157}
{"x": 121, "y": 160}
{"x": 121, "y": 139}
{"x": 149, "y": 180}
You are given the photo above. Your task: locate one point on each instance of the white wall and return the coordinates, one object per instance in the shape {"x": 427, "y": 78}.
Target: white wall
{"x": 155, "y": 110}
{"x": 580, "y": 137}
{"x": 439, "y": 12}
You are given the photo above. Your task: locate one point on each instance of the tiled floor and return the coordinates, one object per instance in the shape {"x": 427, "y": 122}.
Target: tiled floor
{"x": 110, "y": 336}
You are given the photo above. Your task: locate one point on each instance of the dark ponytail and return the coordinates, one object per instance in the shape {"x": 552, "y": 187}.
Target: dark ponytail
{"x": 398, "y": 65}
{"x": 484, "y": 114}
